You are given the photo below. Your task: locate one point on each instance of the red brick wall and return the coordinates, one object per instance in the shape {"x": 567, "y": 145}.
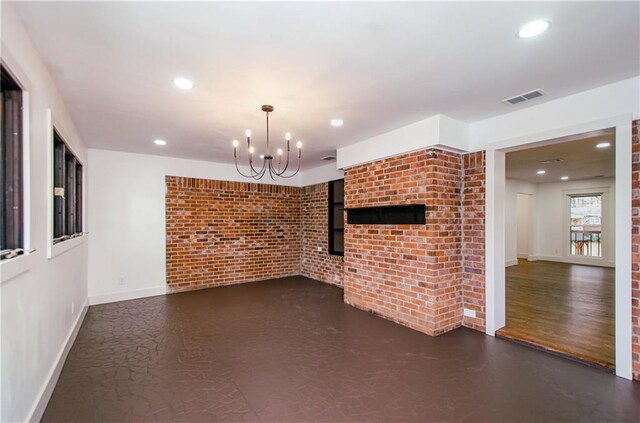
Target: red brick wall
{"x": 473, "y": 230}
{"x": 635, "y": 248}
{"x": 318, "y": 265}
{"x": 410, "y": 274}
{"x": 220, "y": 232}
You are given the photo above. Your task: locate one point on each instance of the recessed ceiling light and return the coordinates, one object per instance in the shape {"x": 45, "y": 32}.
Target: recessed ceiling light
{"x": 564, "y": 178}
{"x": 533, "y": 28}
{"x": 183, "y": 83}
{"x": 159, "y": 142}
{"x": 603, "y": 144}
{"x": 541, "y": 172}
{"x": 337, "y": 122}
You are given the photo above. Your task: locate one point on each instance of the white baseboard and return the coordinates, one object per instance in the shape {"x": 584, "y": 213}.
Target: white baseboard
{"x": 52, "y": 378}
{"x": 511, "y": 262}
{"x": 127, "y": 295}
{"x": 571, "y": 260}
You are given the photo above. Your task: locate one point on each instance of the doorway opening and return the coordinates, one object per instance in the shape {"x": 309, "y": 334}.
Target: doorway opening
{"x": 559, "y": 247}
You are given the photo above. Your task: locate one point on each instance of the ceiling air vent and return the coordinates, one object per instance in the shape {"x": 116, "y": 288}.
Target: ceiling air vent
{"x": 328, "y": 158}
{"x": 524, "y": 97}
{"x": 550, "y": 161}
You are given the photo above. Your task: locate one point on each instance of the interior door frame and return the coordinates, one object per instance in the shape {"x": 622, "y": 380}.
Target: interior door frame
{"x": 495, "y": 228}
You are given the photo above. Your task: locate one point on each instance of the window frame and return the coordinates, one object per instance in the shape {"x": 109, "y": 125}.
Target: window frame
{"x": 331, "y": 229}
{"x": 67, "y": 172}
{"x": 606, "y": 247}
{"x": 15, "y": 235}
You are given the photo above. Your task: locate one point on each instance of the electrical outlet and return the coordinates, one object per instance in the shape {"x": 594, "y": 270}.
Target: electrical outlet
{"x": 319, "y": 249}
{"x": 121, "y": 280}
{"x": 469, "y": 313}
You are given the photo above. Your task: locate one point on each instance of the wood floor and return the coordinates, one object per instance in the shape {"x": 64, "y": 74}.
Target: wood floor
{"x": 564, "y": 308}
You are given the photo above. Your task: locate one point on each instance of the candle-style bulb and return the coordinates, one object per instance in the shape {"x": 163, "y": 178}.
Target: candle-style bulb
{"x": 279, "y": 151}
{"x": 235, "y": 143}
{"x": 248, "y": 133}
{"x": 287, "y": 136}
{"x": 252, "y": 150}
{"x": 299, "y": 144}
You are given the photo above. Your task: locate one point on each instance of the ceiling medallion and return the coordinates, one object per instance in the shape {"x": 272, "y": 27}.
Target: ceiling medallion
{"x": 275, "y": 169}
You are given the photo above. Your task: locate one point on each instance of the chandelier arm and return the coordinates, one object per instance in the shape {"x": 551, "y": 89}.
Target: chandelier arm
{"x": 286, "y": 166}
{"x": 253, "y": 170}
{"x": 271, "y": 171}
{"x": 263, "y": 169}
{"x": 239, "y": 171}
{"x": 293, "y": 174}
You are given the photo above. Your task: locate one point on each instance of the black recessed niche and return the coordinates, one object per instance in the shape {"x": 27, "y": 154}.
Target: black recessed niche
{"x": 388, "y": 215}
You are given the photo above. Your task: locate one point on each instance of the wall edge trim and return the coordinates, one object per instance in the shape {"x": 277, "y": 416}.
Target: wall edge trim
{"x": 127, "y": 295}
{"x": 40, "y": 405}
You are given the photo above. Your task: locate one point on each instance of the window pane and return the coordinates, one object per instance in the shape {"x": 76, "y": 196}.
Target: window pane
{"x": 585, "y": 236}
{"x": 338, "y": 241}
{"x": 338, "y": 191}
{"x": 70, "y": 195}
{"x": 338, "y": 217}
{"x": 58, "y": 183}
{"x": 11, "y": 130}
{"x": 78, "y": 202}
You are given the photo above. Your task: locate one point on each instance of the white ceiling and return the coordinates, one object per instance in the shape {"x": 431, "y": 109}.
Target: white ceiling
{"x": 581, "y": 159}
{"x": 378, "y": 66}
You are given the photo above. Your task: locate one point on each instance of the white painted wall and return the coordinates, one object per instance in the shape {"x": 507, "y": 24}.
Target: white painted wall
{"x": 552, "y": 222}
{"x": 317, "y": 175}
{"x": 562, "y": 117}
{"x": 548, "y": 219}
{"x": 127, "y": 219}
{"x": 41, "y": 299}
{"x": 437, "y": 130}
{"x": 523, "y": 206}
{"x": 512, "y": 188}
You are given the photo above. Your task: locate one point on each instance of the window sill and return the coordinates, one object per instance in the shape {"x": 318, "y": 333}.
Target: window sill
{"x": 10, "y": 268}
{"x": 64, "y": 246}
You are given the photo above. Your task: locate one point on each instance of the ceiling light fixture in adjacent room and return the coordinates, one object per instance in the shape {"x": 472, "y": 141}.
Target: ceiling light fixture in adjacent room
{"x": 603, "y": 144}
{"x": 183, "y": 83}
{"x": 564, "y": 178}
{"x": 336, "y": 123}
{"x": 275, "y": 170}
{"x": 534, "y": 28}
{"x": 541, "y": 172}
{"x": 160, "y": 142}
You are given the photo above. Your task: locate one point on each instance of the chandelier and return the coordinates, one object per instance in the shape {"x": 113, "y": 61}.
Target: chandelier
{"x": 271, "y": 164}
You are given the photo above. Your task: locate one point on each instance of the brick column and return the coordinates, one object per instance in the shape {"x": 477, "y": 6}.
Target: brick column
{"x": 410, "y": 274}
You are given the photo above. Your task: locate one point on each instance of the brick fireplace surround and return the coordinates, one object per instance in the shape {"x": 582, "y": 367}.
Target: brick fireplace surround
{"x": 421, "y": 276}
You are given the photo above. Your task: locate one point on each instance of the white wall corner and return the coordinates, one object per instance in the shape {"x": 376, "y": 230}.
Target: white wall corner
{"x": 453, "y": 134}
{"x": 325, "y": 173}
{"x": 54, "y": 374}
{"x": 127, "y": 295}
{"x": 438, "y": 130}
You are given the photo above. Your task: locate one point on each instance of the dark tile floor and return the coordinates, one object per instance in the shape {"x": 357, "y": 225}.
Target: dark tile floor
{"x": 290, "y": 350}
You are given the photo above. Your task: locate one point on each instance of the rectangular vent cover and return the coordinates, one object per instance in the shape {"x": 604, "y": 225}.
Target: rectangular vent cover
{"x": 551, "y": 161}
{"x": 389, "y": 215}
{"x": 524, "y": 97}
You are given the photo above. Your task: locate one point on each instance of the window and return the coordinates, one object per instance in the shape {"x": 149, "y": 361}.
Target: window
{"x": 585, "y": 230}
{"x": 67, "y": 192}
{"x": 336, "y": 217}
{"x": 11, "y": 172}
